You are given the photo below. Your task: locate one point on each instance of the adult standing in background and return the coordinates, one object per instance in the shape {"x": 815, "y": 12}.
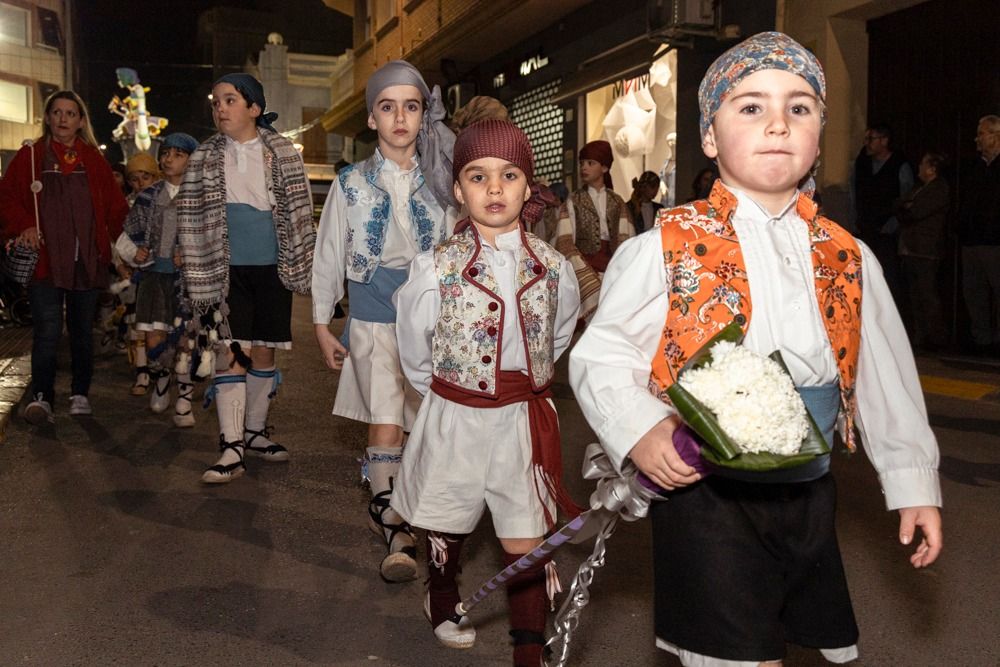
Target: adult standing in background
{"x": 979, "y": 236}
{"x": 922, "y": 215}
{"x": 81, "y": 210}
{"x": 642, "y": 205}
{"x": 881, "y": 176}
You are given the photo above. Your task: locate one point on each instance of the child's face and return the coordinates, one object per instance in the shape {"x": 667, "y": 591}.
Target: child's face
{"x": 396, "y": 116}
{"x": 140, "y": 180}
{"x": 765, "y": 135}
{"x": 494, "y": 191}
{"x": 231, "y": 114}
{"x": 173, "y": 162}
{"x": 592, "y": 172}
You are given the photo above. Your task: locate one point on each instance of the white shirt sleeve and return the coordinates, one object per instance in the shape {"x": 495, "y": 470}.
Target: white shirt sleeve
{"x": 418, "y": 304}
{"x": 610, "y": 366}
{"x": 892, "y": 416}
{"x": 567, "y": 310}
{"x": 328, "y": 261}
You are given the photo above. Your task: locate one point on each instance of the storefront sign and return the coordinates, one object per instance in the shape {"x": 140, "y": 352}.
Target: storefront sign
{"x": 533, "y": 64}
{"x": 620, "y": 88}
{"x": 499, "y": 81}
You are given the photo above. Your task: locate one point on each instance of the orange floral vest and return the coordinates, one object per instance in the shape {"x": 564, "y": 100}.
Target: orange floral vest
{"x": 707, "y": 279}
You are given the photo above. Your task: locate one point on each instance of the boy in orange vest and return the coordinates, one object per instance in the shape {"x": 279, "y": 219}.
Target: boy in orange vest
{"x": 747, "y": 561}
{"x": 480, "y": 323}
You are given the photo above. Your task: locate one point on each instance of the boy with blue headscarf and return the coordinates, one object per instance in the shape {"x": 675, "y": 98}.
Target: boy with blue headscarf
{"x": 244, "y": 222}
{"x": 380, "y": 213}
{"x": 747, "y": 561}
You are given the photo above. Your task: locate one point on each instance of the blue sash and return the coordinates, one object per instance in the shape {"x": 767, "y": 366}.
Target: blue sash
{"x": 372, "y": 301}
{"x": 823, "y": 403}
{"x": 252, "y": 239}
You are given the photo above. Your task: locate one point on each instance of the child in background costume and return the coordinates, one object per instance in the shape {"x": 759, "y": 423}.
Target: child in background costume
{"x": 594, "y": 223}
{"x": 481, "y": 322}
{"x": 142, "y": 172}
{"x": 723, "y": 597}
{"x": 380, "y": 213}
{"x": 152, "y": 227}
{"x": 244, "y": 223}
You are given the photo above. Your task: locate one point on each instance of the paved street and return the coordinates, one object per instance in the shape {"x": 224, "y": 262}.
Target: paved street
{"x": 115, "y": 554}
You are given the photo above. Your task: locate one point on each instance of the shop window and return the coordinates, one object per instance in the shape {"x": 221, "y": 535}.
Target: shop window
{"x": 50, "y": 29}
{"x": 15, "y": 102}
{"x": 14, "y": 23}
{"x": 543, "y": 123}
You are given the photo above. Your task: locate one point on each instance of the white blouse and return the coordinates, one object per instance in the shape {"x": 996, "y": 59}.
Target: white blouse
{"x": 610, "y": 365}
{"x": 418, "y": 304}
{"x": 245, "y": 178}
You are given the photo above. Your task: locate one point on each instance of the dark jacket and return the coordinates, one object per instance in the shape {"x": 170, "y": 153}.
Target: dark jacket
{"x": 875, "y": 193}
{"x": 979, "y": 212}
{"x": 922, "y": 215}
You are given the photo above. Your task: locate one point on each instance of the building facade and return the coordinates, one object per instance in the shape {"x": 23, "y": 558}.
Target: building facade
{"x": 34, "y": 52}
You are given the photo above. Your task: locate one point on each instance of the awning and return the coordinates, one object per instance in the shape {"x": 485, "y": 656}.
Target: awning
{"x": 348, "y": 117}
{"x": 626, "y": 61}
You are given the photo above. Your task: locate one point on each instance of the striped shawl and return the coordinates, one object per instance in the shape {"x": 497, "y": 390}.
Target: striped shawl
{"x": 201, "y": 218}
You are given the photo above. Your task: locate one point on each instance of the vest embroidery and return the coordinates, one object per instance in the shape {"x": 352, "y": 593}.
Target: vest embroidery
{"x": 588, "y": 221}
{"x": 707, "y": 280}
{"x": 468, "y": 337}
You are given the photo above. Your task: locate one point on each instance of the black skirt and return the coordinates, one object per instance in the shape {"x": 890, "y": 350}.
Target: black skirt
{"x": 742, "y": 568}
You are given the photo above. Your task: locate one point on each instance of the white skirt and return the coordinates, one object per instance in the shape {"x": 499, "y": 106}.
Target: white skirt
{"x": 372, "y": 387}
{"x": 461, "y": 460}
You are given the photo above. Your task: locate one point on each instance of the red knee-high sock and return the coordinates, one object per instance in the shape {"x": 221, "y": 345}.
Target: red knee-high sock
{"x": 527, "y": 601}
{"x": 441, "y": 577}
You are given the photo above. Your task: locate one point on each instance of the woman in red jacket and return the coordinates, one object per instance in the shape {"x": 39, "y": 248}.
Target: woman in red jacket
{"x": 81, "y": 211}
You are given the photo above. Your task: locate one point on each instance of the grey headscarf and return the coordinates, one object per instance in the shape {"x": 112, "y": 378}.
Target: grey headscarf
{"x": 435, "y": 142}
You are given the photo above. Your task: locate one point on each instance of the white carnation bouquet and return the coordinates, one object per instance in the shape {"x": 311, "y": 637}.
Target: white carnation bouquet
{"x": 744, "y": 407}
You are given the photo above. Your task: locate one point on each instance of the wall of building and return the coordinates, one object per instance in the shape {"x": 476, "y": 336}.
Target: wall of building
{"x": 38, "y": 67}
{"x": 835, "y": 30}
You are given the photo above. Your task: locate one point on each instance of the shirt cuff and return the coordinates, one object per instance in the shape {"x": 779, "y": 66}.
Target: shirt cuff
{"x": 911, "y": 487}
{"x": 619, "y": 435}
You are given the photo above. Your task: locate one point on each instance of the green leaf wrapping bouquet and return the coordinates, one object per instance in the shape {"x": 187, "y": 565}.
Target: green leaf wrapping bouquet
{"x": 744, "y": 408}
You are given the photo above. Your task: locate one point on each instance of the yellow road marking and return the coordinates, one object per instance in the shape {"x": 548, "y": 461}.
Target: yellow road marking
{"x": 956, "y": 388}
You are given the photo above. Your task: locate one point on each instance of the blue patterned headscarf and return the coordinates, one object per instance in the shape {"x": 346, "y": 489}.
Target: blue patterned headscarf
{"x": 253, "y": 92}
{"x": 765, "y": 50}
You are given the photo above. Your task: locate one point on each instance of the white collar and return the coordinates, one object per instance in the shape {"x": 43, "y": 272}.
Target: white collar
{"x": 594, "y": 192}
{"x": 747, "y": 208}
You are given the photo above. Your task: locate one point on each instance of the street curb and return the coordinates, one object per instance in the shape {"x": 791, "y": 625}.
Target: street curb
{"x": 15, "y": 378}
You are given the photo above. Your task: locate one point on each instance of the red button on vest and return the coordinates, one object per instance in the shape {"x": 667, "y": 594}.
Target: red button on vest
{"x": 494, "y": 306}
{"x": 537, "y": 269}
{"x": 473, "y": 272}
{"x": 487, "y": 358}
{"x": 492, "y": 331}
{"x": 482, "y": 384}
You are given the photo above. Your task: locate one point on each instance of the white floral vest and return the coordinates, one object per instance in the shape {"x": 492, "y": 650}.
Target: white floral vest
{"x": 468, "y": 336}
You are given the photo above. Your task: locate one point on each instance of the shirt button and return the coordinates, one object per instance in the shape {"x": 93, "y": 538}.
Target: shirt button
{"x": 487, "y": 358}
{"x": 483, "y": 385}
{"x": 494, "y": 306}
{"x": 788, "y": 261}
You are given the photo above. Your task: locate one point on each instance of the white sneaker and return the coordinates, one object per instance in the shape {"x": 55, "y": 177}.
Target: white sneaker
{"x": 38, "y": 411}
{"x": 159, "y": 401}
{"x": 450, "y": 633}
{"x": 79, "y": 406}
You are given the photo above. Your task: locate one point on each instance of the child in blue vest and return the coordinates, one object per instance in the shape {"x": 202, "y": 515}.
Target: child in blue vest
{"x": 482, "y": 319}
{"x": 380, "y": 213}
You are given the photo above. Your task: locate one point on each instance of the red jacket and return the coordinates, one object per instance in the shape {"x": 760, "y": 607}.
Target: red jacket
{"x": 17, "y": 210}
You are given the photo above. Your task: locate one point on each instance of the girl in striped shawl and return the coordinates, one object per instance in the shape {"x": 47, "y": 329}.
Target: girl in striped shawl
{"x": 244, "y": 223}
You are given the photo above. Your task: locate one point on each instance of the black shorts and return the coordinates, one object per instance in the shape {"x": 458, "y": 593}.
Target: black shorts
{"x": 742, "y": 568}
{"x": 260, "y": 307}
{"x": 156, "y": 301}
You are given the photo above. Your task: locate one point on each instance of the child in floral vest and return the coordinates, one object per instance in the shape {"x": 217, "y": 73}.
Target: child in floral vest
{"x": 481, "y": 321}
{"x": 380, "y": 213}
{"x": 747, "y": 561}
